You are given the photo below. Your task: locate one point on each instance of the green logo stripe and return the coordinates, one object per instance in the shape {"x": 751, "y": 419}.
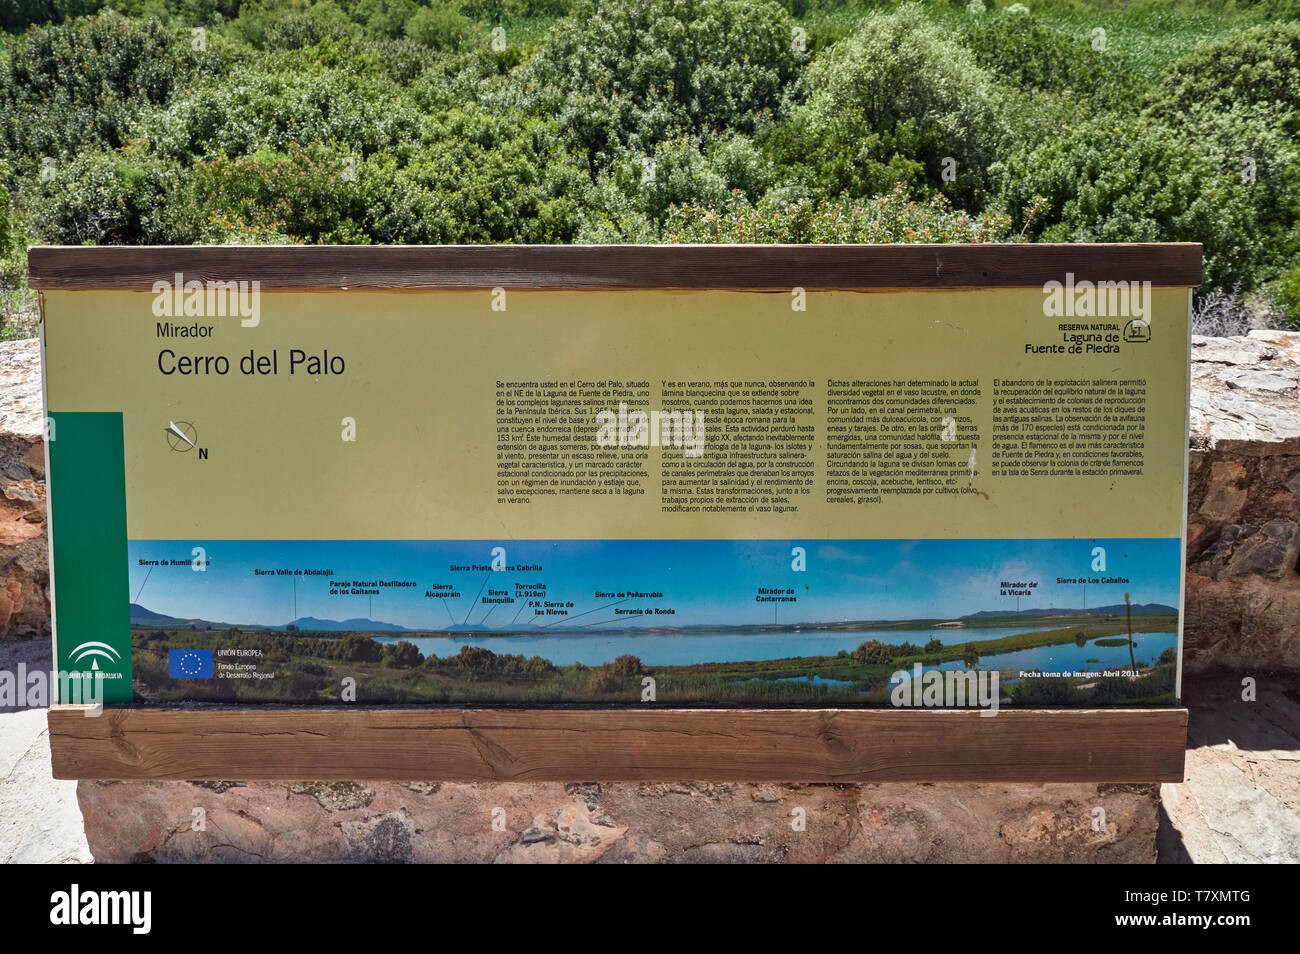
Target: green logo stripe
{"x": 88, "y": 515}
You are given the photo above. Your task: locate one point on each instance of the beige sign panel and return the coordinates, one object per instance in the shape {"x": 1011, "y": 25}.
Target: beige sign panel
{"x": 625, "y": 496}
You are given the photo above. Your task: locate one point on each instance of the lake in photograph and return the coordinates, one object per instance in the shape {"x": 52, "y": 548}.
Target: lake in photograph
{"x": 687, "y": 649}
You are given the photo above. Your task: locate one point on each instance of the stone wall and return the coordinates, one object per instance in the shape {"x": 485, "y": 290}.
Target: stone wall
{"x": 1243, "y": 520}
{"x": 618, "y": 823}
{"x": 24, "y": 555}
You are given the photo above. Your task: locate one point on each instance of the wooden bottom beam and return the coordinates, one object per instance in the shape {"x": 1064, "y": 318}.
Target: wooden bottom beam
{"x": 776, "y": 745}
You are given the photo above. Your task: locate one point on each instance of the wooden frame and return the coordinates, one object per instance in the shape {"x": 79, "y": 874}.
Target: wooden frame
{"x": 776, "y": 745}
{"x": 512, "y": 745}
{"x": 757, "y": 267}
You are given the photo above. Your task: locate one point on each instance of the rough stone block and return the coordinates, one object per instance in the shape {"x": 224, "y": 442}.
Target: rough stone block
{"x": 681, "y": 822}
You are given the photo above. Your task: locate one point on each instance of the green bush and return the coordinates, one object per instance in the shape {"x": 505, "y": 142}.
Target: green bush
{"x": 1114, "y": 179}
{"x": 1257, "y": 66}
{"x": 627, "y": 665}
{"x": 477, "y": 74}
{"x": 602, "y": 682}
{"x": 1285, "y": 295}
{"x": 479, "y": 176}
{"x": 637, "y": 72}
{"x": 292, "y": 24}
{"x": 1239, "y": 99}
{"x": 84, "y": 83}
{"x": 209, "y": 12}
{"x": 401, "y": 655}
{"x": 888, "y": 105}
{"x": 440, "y": 26}
{"x": 305, "y": 193}
{"x": 497, "y": 11}
{"x": 358, "y": 648}
{"x": 112, "y": 197}
{"x": 1036, "y": 57}
{"x": 472, "y": 176}
{"x": 9, "y": 237}
{"x": 1248, "y": 143}
{"x": 475, "y": 660}
{"x": 630, "y": 201}
{"x": 201, "y": 11}
{"x": 384, "y": 18}
{"x": 253, "y": 109}
{"x": 873, "y": 652}
{"x": 401, "y": 60}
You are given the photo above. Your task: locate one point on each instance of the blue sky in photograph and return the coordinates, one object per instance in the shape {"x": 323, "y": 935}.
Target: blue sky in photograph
{"x": 707, "y": 582}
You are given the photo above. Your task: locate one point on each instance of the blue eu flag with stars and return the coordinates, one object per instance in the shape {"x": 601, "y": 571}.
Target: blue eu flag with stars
{"x": 189, "y": 663}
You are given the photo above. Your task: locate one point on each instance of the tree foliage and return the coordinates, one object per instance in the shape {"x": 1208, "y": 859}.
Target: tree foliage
{"x": 644, "y": 121}
{"x": 1116, "y": 180}
{"x": 897, "y": 101}
{"x": 637, "y": 72}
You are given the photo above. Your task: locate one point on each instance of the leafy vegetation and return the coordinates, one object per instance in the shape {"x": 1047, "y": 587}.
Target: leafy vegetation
{"x": 887, "y": 105}
{"x": 399, "y": 121}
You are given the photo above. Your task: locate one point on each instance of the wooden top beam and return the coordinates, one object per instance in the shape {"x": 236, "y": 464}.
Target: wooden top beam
{"x": 741, "y": 267}
{"x": 767, "y": 745}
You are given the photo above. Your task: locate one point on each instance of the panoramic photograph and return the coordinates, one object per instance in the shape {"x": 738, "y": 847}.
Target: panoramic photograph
{"x": 753, "y": 633}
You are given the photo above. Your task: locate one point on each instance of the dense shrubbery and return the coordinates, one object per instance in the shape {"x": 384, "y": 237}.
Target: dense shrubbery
{"x": 1239, "y": 101}
{"x": 299, "y": 192}
{"x": 9, "y": 233}
{"x": 874, "y": 652}
{"x": 638, "y": 72}
{"x": 890, "y": 104}
{"x": 66, "y": 88}
{"x": 1114, "y": 179}
{"x": 645, "y": 120}
{"x": 250, "y": 109}
{"x": 1256, "y": 66}
{"x": 15, "y": 14}
{"x": 634, "y": 198}
{"x": 478, "y": 176}
{"x": 297, "y": 24}
{"x": 108, "y": 198}
{"x": 893, "y": 217}
{"x": 401, "y": 655}
{"x": 473, "y": 662}
{"x": 1037, "y": 58}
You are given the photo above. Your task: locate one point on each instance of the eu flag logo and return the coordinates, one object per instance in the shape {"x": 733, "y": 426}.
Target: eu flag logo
{"x": 189, "y": 663}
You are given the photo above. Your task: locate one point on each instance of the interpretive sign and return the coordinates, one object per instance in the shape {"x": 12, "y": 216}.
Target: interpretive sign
{"x": 745, "y": 478}
{"x": 688, "y": 512}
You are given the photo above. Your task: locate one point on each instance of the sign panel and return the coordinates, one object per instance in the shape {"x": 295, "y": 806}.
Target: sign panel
{"x": 509, "y": 495}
